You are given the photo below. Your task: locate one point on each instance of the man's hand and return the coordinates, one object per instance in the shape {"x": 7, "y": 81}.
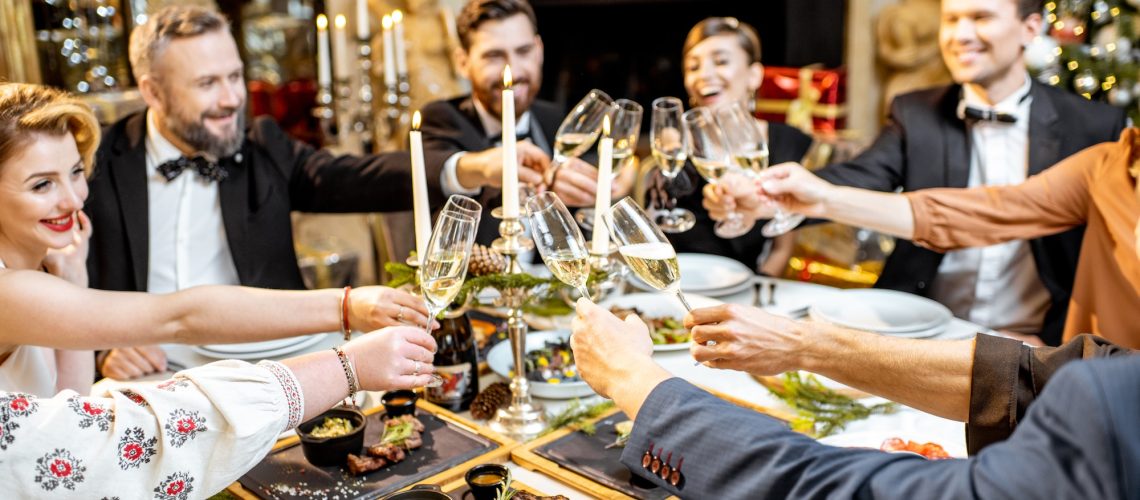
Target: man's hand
{"x": 126, "y": 363}
{"x": 576, "y": 183}
{"x": 735, "y": 192}
{"x": 746, "y": 339}
{"x": 796, "y": 189}
{"x": 485, "y": 168}
{"x": 607, "y": 350}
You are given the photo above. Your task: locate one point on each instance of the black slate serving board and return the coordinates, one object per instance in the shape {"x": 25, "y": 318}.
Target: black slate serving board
{"x": 588, "y": 456}
{"x": 285, "y": 474}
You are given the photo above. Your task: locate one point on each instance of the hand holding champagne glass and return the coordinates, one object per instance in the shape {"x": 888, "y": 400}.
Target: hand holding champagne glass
{"x": 645, "y": 248}
{"x": 750, "y": 152}
{"x": 559, "y": 240}
{"x": 444, "y": 266}
{"x": 580, "y": 128}
{"x": 709, "y": 151}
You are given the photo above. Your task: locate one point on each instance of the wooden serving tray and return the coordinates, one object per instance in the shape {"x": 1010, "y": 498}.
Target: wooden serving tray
{"x": 458, "y": 489}
{"x": 452, "y": 445}
{"x": 583, "y": 461}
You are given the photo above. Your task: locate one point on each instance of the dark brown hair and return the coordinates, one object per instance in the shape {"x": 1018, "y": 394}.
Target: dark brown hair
{"x": 745, "y": 35}
{"x": 1027, "y": 7}
{"x": 27, "y": 109}
{"x": 477, "y": 12}
{"x": 173, "y": 22}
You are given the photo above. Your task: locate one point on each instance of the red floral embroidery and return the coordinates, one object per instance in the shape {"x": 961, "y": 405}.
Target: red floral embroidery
{"x": 293, "y": 397}
{"x": 135, "y": 397}
{"x": 174, "y": 384}
{"x": 59, "y": 468}
{"x": 91, "y": 414}
{"x": 183, "y": 425}
{"x": 135, "y": 449}
{"x": 14, "y": 406}
{"x": 177, "y": 486}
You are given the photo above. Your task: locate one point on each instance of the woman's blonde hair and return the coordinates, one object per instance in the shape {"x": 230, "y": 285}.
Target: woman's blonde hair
{"x": 27, "y": 109}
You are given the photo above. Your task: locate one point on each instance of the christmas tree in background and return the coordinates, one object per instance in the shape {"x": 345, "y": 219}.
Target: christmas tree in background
{"x": 1091, "y": 48}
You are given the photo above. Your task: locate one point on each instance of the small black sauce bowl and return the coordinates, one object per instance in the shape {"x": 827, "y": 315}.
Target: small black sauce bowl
{"x": 333, "y": 450}
{"x": 483, "y": 491}
{"x": 396, "y": 410}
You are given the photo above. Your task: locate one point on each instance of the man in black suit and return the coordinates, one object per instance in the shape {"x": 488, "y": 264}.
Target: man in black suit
{"x": 994, "y": 126}
{"x": 1074, "y": 438}
{"x": 183, "y": 194}
{"x": 462, "y": 135}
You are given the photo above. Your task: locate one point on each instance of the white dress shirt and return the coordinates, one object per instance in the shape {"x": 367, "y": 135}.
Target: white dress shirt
{"x": 188, "y": 245}
{"x": 493, "y": 127}
{"x": 996, "y": 286}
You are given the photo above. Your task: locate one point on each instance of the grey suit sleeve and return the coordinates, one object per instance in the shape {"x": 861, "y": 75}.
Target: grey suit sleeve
{"x": 1061, "y": 451}
{"x": 882, "y": 167}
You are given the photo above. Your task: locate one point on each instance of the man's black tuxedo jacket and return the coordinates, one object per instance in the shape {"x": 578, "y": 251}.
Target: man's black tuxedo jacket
{"x": 453, "y": 126}
{"x": 277, "y": 175}
{"x": 926, "y": 145}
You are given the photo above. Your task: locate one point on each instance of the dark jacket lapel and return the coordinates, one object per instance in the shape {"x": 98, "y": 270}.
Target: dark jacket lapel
{"x": 237, "y": 201}
{"x": 1044, "y": 138}
{"x": 957, "y": 144}
{"x": 476, "y": 135}
{"x": 128, "y": 174}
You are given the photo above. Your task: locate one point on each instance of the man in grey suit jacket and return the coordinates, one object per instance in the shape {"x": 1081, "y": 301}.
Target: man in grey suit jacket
{"x": 1077, "y": 440}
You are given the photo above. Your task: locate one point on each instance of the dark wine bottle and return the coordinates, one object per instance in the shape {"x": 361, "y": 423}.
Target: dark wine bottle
{"x": 456, "y": 362}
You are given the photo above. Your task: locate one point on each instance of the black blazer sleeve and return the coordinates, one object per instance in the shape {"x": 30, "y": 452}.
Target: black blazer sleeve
{"x": 882, "y": 167}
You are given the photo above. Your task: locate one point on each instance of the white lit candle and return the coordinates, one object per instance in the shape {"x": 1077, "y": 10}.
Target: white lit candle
{"x": 389, "y": 52}
{"x": 510, "y": 157}
{"x": 401, "y": 50}
{"x": 420, "y": 211}
{"x": 601, "y": 239}
{"x": 324, "y": 76}
{"x": 363, "y": 29}
{"x": 340, "y": 48}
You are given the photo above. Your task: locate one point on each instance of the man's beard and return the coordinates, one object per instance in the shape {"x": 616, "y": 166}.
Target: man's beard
{"x": 195, "y": 134}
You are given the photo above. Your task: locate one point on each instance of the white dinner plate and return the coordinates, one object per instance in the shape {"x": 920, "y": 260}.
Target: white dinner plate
{"x": 246, "y": 347}
{"x": 305, "y": 342}
{"x": 658, "y": 305}
{"x": 883, "y": 311}
{"x": 707, "y": 274}
{"x": 499, "y": 359}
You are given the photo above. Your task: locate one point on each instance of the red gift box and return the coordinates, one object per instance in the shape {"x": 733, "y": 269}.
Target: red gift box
{"x": 809, "y": 98}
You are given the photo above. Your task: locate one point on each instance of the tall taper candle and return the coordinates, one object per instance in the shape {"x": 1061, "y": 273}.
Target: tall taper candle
{"x": 324, "y": 71}
{"x": 601, "y": 239}
{"x": 421, "y": 214}
{"x": 401, "y": 49}
{"x": 510, "y": 157}
{"x": 389, "y": 52}
{"x": 363, "y": 26}
{"x": 341, "y": 58}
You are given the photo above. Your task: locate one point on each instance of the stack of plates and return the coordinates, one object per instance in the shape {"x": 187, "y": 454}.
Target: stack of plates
{"x": 708, "y": 275}
{"x": 259, "y": 350}
{"x": 887, "y": 312}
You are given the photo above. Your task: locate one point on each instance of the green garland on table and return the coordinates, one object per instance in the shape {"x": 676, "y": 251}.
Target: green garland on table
{"x": 576, "y": 416}
{"x": 822, "y": 411}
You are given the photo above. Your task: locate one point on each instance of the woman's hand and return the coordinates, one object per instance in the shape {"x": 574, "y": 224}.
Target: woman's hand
{"x": 375, "y": 307}
{"x": 398, "y": 357}
{"x": 70, "y": 262}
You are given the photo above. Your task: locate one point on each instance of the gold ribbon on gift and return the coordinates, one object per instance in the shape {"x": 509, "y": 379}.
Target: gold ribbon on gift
{"x": 799, "y": 112}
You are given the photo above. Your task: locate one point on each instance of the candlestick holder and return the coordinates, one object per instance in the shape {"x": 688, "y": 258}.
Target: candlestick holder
{"x": 326, "y": 115}
{"x": 523, "y": 419}
{"x": 362, "y": 123}
{"x": 404, "y": 91}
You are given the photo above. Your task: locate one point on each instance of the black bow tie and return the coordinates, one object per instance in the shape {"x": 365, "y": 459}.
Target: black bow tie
{"x": 987, "y": 115}
{"x": 210, "y": 170}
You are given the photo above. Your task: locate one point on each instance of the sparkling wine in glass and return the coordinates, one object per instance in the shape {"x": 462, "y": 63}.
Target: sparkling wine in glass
{"x": 559, "y": 240}
{"x": 625, "y": 129}
{"x": 750, "y": 150}
{"x": 581, "y": 127}
{"x": 669, "y": 145}
{"x": 709, "y": 151}
{"x": 444, "y": 267}
{"x": 644, "y": 248}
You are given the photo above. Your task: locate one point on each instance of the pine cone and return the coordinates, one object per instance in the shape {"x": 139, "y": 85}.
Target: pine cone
{"x": 485, "y": 260}
{"x": 495, "y": 396}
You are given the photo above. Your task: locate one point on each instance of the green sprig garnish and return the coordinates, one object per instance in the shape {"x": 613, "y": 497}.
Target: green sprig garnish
{"x": 576, "y": 416}
{"x": 822, "y": 411}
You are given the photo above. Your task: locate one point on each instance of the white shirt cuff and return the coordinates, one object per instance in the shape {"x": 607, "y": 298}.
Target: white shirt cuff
{"x": 449, "y": 181}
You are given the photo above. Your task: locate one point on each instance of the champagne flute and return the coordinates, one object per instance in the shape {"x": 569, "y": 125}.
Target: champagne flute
{"x": 670, "y": 149}
{"x": 443, "y": 268}
{"x": 624, "y": 130}
{"x": 645, "y": 248}
{"x": 559, "y": 241}
{"x": 709, "y": 151}
{"x": 750, "y": 152}
{"x": 581, "y": 127}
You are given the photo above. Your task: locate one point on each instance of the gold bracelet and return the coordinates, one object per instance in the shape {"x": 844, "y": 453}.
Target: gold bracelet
{"x": 349, "y": 373}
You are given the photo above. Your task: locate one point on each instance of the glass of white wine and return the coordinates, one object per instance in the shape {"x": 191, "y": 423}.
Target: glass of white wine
{"x": 750, "y": 151}
{"x": 559, "y": 241}
{"x": 645, "y": 248}
{"x": 625, "y": 129}
{"x": 444, "y": 267}
{"x": 670, "y": 151}
{"x": 581, "y": 127}
{"x": 709, "y": 151}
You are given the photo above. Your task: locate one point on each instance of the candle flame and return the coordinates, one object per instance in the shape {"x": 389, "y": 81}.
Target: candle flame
{"x": 322, "y": 22}
{"x": 386, "y": 22}
{"x": 606, "y": 126}
{"x": 340, "y": 21}
{"x": 507, "y": 81}
{"x": 397, "y": 16}
{"x": 416, "y": 120}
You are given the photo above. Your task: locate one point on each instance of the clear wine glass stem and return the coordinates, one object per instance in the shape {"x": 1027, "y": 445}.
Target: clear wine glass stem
{"x": 681, "y": 295}
{"x": 585, "y": 292}
{"x": 436, "y": 380}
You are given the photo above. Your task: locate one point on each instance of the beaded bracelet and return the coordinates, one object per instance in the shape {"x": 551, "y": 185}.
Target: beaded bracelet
{"x": 345, "y": 329}
{"x": 349, "y": 373}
